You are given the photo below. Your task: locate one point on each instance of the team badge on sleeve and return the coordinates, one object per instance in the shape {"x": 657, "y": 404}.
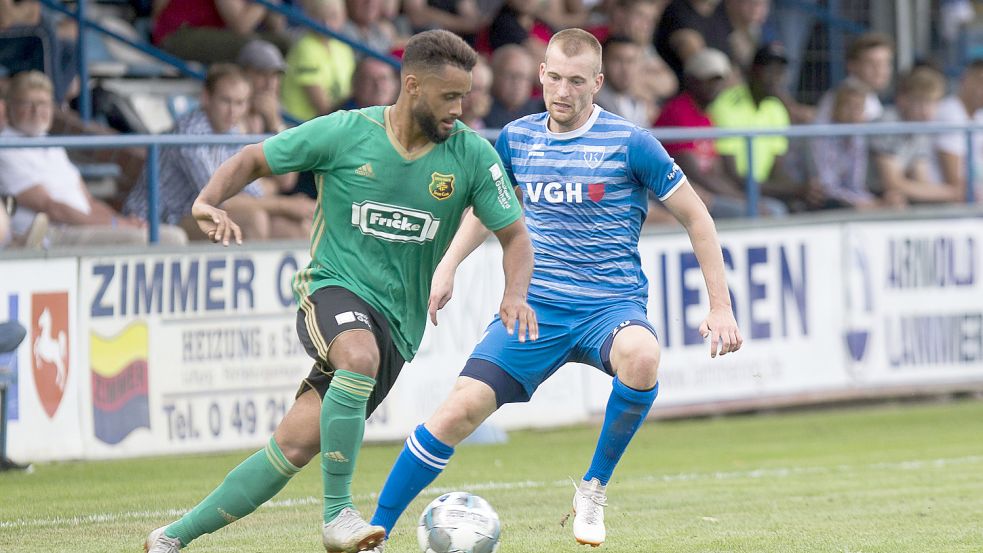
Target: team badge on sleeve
{"x": 441, "y": 186}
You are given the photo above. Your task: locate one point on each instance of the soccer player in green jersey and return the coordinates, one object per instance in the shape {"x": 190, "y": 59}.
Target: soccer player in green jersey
{"x": 393, "y": 184}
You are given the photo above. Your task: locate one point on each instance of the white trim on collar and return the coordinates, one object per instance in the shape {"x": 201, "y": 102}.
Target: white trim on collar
{"x": 576, "y": 133}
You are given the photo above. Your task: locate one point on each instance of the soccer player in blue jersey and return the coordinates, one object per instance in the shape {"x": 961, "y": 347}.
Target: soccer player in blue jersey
{"x": 585, "y": 175}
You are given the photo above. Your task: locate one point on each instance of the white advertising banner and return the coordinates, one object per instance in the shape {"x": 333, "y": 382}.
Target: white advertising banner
{"x": 786, "y": 290}
{"x": 44, "y": 375}
{"x": 187, "y": 352}
{"x": 914, "y": 302}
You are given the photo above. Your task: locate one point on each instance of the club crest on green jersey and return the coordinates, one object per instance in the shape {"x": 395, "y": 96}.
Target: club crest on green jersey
{"x": 441, "y": 185}
{"x": 394, "y": 223}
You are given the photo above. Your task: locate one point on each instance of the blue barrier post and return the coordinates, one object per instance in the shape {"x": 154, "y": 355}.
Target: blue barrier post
{"x": 85, "y": 97}
{"x": 750, "y": 182}
{"x": 970, "y": 169}
{"x": 153, "y": 192}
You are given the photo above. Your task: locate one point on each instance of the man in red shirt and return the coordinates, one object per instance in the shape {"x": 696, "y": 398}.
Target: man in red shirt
{"x": 705, "y": 75}
{"x": 213, "y": 31}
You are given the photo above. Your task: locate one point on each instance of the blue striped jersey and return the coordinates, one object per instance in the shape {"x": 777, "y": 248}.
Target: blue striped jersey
{"x": 585, "y": 195}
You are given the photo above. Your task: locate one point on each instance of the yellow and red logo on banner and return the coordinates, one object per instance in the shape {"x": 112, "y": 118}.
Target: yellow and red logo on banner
{"x": 119, "y": 382}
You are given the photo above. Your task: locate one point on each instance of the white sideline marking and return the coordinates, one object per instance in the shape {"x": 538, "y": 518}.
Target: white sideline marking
{"x": 781, "y": 472}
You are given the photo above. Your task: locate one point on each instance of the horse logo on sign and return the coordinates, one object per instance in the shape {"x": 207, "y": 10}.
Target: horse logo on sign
{"x": 50, "y": 348}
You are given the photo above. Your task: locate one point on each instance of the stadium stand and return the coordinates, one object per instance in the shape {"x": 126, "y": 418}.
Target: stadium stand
{"x": 134, "y": 88}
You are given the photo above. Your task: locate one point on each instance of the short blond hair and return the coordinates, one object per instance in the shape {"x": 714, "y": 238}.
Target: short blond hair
{"x": 26, "y": 81}
{"x": 922, "y": 83}
{"x": 573, "y": 42}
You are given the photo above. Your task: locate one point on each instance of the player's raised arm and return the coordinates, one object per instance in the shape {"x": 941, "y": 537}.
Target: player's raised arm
{"x": 720, "y": 324}
{"x": 517, "y": 261}
{"x": 231, "y": 177}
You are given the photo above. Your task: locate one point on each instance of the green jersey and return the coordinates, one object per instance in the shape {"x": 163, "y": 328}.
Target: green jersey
{"x": 385, "y": 217}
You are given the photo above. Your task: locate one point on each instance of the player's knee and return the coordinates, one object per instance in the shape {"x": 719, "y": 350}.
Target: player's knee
{"x": 640, "y": 370}
{"x": 456, "y": 419}
{"x": 358, "y": 360}
{"x": 299, "y": 454}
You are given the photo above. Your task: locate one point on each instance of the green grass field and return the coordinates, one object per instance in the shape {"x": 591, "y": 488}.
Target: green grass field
{"x": 888, "y": 479}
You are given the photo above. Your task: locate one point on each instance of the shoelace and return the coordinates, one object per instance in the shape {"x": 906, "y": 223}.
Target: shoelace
{"x": 352, "y": 520}
{"x": 593, "y": 508}
{"x": 169, "y": 541}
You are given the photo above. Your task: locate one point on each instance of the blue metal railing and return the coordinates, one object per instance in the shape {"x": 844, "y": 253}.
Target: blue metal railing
{"x": 155, "y": 142}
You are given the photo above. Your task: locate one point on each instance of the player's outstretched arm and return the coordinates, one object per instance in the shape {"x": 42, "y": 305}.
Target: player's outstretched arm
{"x": 720, "y": 324}
{"x": 517, "y": 261}
{"x": 229, "y": 179}
{"x": 469, "y": 236}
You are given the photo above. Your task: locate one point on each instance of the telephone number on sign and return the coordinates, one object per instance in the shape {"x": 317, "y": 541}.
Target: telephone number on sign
{"x": 233, "y": 416}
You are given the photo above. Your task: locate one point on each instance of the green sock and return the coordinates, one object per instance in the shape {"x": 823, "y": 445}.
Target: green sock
{"x": 342, "y": 427}
{"x": 249, "y": 485}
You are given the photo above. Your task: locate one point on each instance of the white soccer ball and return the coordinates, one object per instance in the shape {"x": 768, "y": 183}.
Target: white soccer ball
{"x": 459, "y": 522}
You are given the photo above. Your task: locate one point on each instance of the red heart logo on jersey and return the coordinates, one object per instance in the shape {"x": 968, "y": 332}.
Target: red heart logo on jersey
{"x": 595, "y": 191}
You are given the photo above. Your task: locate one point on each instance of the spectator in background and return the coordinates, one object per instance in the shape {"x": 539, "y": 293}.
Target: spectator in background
{"x": 747, "y": 18}
{"x": 263, "y": 66}
{"x": 901, "y": 163}
{"x": 688, "y": 26}
{"x": 756, "y": 105}
{"x": 518, "y": 22}
{"x": 31, "y": 39}
{"x": 185, "y": 170}
{"x": 4, "y": 83}
{"x": 212, "y": 31}
{"x": 704, "y": 78}
{"x": 869, "y": 62}
{"x": 793, "y": 22}
{"x": 965, "y": 106}
{"x": 6, "y": 235}
{"x": 637, "y": 20}
{"x": 32, "y": 238}
{"x": 375, "y": 83}
{"x": 512, "y": 69}
{"x": 463, "y": 17}
{"x": 43, "y": 180}
{"x": 840, "y": 162}
{"x": 618, "y": 94}
{"x": 319, "y": 68}
{"x": 367, "y": 25}
{"x": 477, "y": 103}
{"x": 563, "y": 14}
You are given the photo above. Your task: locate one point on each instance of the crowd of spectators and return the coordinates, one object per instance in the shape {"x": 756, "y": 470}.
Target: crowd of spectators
{"x": 667, "y": 63}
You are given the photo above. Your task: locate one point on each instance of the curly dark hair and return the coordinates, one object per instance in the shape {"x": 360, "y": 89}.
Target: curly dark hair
{"x": 432, "y": 50}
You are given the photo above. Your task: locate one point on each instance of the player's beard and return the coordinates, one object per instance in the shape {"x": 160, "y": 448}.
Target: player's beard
{"x": 428, "y": 123}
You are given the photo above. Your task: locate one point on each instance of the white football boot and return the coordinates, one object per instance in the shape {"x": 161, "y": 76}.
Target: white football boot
{"x": 588, "y": 509}
{"x": 158, "y": 542}
{"x": 349, "y": 533}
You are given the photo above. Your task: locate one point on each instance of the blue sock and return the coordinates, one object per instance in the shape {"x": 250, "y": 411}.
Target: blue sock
{"x": 625, "y": 412}
{"x": 423, "y": 459}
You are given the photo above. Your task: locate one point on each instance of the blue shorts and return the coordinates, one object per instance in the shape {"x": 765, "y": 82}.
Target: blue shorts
{"x": 567, "y": 333}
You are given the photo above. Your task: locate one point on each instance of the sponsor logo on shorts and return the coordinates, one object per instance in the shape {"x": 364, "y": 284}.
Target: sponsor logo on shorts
{"x": 394, "y": 223}
{"x": 349, "y": 317}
